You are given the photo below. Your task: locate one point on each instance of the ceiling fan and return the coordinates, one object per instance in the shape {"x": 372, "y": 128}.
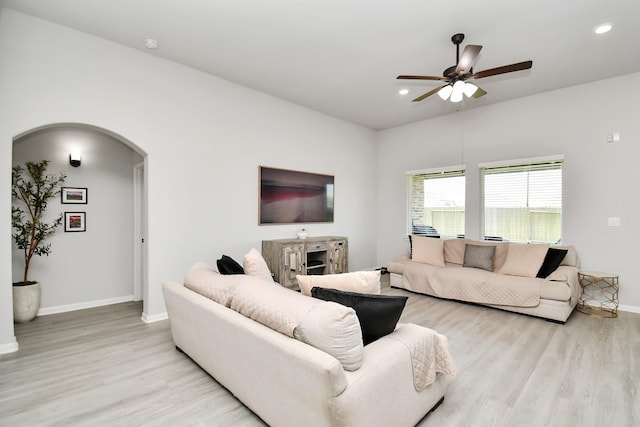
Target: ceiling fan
{"x": 455, "y": 76}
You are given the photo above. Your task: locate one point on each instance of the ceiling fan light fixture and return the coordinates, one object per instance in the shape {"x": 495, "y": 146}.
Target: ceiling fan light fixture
{"x": 469, "y": 89}
{"x": 456, "y": 96}
{"x": 445, "y": 92}
{"x": 458, "y": 90}
{"x": 453, "y": 85}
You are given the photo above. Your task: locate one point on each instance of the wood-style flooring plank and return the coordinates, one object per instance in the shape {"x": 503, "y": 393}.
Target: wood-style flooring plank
{"x": 105, "y": 367}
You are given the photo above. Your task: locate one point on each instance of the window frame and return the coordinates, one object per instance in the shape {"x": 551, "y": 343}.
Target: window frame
{"x": 533, "y": 161}
{"x": 456, "y": 169}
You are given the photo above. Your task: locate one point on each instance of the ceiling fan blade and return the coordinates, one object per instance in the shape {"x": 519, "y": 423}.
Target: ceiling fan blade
{"x": 428, "y": 94}
{"x": 420, "y": 78}
{"x": 479, "y": 92}
{"x": 468, "y": 57}
{"x": 504, "y": 69}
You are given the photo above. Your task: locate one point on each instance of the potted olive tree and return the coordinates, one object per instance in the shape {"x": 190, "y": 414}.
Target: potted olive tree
{"x": 32, "y": 188}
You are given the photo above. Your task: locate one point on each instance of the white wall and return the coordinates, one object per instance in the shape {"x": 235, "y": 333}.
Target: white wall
{"x": 599, "y": 179}
{"x": 204, "y": 138}
{"x": 97, "y": 264}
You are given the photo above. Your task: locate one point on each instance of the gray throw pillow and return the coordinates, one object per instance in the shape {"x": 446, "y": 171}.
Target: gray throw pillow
{"x": 478, "y": 256}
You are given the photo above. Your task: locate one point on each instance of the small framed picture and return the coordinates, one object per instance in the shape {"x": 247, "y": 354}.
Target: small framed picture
{"x": 75, "y": 221}
{"x": 73, "y": 195}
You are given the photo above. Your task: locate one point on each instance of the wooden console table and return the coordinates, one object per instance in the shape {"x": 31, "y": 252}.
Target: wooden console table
{"x": 286, "y": 258}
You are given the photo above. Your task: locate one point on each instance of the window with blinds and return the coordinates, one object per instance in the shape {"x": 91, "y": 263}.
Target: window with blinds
{"x": 523, "y": 202}
{"x": 436, "y": 202}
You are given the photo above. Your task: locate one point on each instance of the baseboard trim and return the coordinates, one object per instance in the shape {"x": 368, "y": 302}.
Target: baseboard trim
{"x": 629, "y": 308}
{"x": 154, "y": 317}
{"x": 82, "y": 305}
{"x": 10, "y": 347}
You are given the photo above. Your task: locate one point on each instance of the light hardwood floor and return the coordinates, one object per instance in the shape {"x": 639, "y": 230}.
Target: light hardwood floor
{"x": 104, "y": 367}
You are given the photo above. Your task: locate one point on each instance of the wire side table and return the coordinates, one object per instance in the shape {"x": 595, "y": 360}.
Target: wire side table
{"x": 599, "y": 294}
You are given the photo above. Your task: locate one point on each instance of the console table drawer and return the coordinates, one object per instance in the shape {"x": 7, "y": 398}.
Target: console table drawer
{"x": 316, "y": 246}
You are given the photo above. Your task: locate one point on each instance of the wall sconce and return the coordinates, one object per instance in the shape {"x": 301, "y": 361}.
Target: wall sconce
{"x": 75, "y": 158}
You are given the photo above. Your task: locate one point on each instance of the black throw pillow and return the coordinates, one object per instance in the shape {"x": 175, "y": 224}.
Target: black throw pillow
{"x": 227, "y": 265}
{"x": 378, "y": 314}
{"x": 551, "y": 262}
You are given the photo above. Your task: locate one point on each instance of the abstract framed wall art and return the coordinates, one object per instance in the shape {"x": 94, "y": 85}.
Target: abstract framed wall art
{"x": 290, "y": 197}
{"x": 74, "y": 195}
{"x": 75, "y": 221}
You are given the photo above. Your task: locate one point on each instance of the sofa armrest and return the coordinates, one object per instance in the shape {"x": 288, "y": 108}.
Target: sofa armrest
{"x": 386, "y": 375}
{"x": 398, "y": 263}
{"x": 403, "y": 257}
{"x": 568, "y": 274}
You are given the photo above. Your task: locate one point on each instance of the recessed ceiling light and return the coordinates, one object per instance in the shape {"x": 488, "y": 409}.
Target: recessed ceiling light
{"x": 403, "y": 91}
{"x": 603, "y": 28}
{"x": 151, "y": 43}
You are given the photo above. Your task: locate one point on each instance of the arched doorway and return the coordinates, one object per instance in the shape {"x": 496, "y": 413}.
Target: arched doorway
{"x": 97, "y": 266}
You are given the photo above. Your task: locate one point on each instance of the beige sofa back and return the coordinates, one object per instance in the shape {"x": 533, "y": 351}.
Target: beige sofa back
{"x": 330, "y": 327}
{"x": 454, "y": 252}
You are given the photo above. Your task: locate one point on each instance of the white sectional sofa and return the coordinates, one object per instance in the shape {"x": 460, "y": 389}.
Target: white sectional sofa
{"x": 263, "y": 343}
{"x": 507, "y": 280}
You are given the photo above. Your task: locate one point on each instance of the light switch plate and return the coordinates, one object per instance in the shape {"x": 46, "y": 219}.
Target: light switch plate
{"x": 614, "y": 222}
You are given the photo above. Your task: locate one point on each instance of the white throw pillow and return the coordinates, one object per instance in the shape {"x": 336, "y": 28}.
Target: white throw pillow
{"x": 428, "y": 250}
{"x": 255, "y": 265}
{"x": 363, "y": 282}
{"x": 334, "y": 329}
{"x": 524, "y": 260}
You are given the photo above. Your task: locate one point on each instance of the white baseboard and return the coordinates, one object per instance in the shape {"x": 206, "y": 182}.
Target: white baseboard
{"x": 82, "y": 305}
{"x": 154, "y": 317}
{"x": 10, "y": 347}
{"x": 629, "y": 308}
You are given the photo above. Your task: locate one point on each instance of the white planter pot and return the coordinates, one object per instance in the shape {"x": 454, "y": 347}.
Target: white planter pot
{"x": 26, "y": 302}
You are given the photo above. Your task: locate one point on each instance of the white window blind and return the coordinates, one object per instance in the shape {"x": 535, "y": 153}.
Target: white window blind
{"x": 523, "y": 202}
{"x": 436, "y": 202}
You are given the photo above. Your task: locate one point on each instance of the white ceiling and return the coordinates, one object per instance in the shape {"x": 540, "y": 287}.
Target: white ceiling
{"x": 341, "y": 57}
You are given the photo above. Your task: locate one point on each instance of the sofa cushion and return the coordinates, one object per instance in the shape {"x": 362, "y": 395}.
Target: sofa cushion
{"x": 331, "y": 328}
{"x": 334, "y": 329}
{"x": 551, "y": 262}
{"x": 524, "y": 259}
{"x": 436, "y": 236}
{"x": 562, "y": 273}
{"x": 479, "y": 256}
{"x": 227, "y": 265}
{"x": 204, "y": 280}
{"x": 255, "y": 265}
{"x": 270, "y": 304}
{"x": 428, "y": 250}
{"x": 557, "y": 291}
{"x": 364, "y": 282}
{"x": 378, "y": 314}
{"x": 454, "y": 250}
